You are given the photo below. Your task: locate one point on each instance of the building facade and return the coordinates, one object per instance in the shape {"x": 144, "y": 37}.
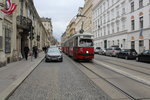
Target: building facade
{"x": 16, "y": 31}
{"x": 84, "y": 17}
{"x": 47, "y": 23}
{"x": 138, "y": 26}
{"x": 109, "y": 23}
{"x": 125, "y": 23}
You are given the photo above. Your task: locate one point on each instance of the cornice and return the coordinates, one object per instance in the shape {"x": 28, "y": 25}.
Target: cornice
{"x": 112, "y": 35}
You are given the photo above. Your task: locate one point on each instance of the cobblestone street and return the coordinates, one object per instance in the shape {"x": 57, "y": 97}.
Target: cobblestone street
{"x": 57, "y": 81}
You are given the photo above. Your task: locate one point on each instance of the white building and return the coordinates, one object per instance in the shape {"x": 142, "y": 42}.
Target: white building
{"x": 124, "y": 23}
{"x": 138, "y": 26}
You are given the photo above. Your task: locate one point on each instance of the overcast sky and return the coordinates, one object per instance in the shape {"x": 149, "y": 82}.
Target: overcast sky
{"x": 60, "y": 11}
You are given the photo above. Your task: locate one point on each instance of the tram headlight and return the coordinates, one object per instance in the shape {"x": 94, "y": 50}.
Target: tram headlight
{"x": 87, "y": 51}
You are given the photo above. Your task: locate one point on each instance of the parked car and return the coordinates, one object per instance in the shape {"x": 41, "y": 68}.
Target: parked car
{"x": 144, "y": 56}
{"x": 112, "y": 51}
{"x": 53, "y": 54}
{"x": 97, "y": 49}
{"x": 127, "y": 54}
{"x": 102, "y": 51}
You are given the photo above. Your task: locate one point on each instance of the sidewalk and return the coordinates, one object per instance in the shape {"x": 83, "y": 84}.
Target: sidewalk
{"x": 12, "y": 75}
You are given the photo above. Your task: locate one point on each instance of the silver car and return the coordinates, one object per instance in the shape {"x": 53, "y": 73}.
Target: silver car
{"x": 112, "y": 51}
{"x": 53, "y": 54}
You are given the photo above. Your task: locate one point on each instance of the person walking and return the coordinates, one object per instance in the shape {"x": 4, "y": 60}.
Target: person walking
{"x": 26, "y": 51}
{"x": 35, "y": 51}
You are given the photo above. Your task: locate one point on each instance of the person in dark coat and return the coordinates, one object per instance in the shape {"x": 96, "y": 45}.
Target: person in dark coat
{"x": 44, "y": 49}
{"x": 26, "y": 51}
{"x": 35, "y": 51}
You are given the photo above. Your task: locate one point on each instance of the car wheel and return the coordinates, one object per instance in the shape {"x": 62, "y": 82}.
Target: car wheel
{"x": 117, "y": 56}
{"x": 126, "y": 57}
{"x": 61, "y": 60}
{"x": 45, "y": 60}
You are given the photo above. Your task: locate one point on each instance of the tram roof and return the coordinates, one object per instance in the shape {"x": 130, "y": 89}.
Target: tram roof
{"x": 83, "y": 34}
{"x": 79, "y": 34}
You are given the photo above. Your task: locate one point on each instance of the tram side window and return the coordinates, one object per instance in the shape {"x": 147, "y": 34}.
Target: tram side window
{"x": 86, "y": 43}
{"x": 76, "y": 42}
{"x": 71, "y": 43}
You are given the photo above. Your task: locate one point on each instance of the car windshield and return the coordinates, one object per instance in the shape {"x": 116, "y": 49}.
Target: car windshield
{"x": 98, "y": 48}
{"x": 146, "y": 52}
{"x": 86, "y": 43}
{"x": 117, "y": 49}
{"x": 53, "y": 50}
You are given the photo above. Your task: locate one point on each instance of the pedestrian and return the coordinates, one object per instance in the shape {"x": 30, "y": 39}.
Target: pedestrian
{"x": 44, "y": 49}
{"x": 26, "y": 51}
{"x": 35, "y": 51}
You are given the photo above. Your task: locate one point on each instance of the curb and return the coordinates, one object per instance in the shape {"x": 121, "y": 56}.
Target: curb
{"x": 11, "y": 88}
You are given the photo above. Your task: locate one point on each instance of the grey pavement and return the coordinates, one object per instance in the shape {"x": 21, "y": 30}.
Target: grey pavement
{"x": 13, "y": 74}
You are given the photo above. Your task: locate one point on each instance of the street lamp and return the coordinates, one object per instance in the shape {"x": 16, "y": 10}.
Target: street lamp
{"x": 81, "y": 30}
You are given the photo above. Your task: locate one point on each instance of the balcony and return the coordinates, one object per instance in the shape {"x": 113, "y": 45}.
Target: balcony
{"x": 24, "y": 23}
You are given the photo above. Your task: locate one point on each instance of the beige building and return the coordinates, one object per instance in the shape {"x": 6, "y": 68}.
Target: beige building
{"x": 84, "y": 17}
{"x": 47, "y": 23}
{"x": 15, "y": 31}
{"x": 83, "y": 20}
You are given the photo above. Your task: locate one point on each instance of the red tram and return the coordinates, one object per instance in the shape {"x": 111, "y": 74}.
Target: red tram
{"x": 79, "y": 46}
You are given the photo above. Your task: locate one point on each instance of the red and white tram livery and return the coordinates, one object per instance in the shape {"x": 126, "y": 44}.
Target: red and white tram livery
{"x": 79, "y": 46}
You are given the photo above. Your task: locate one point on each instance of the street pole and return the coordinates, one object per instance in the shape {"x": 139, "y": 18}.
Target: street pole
{"x": 31, "y": 38}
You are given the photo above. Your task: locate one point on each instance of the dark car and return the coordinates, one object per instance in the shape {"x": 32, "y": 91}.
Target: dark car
{"x": 144, "y": 56}
{"x": 127, "y": 54}
{"x": 53, "y": 54}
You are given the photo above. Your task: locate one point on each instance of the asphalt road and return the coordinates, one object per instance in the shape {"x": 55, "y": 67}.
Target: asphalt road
{"x": 58, "y": 81}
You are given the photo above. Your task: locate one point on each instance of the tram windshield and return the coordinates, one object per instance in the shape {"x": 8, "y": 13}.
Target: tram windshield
{"x": 86, "y": 43}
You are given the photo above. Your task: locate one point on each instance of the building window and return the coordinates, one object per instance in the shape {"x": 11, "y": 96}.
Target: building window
{"x": 141, "y": 46}
{"x": 140, "y": 3}
{"x": 117, "y": 11}
{"x": 132, "y": 24}
{"x": 108, "y": 29}
{"x": 117, "y": 26}
{"x": 123, "y": 24}
{"x": 7, "y": 40}
{"x": 112, "y": 13}
{"x": 104, "y": 6}
{"x": 132, "y": 6}
{"x": 141, "y": 22}
{"x": 123, "y": 8}
{"x": 104, "y": 31}
{"x": 113, "y": 28}
{"x": 108, "y": 16}
{"x": 108, "y": 3}
{"x": 104, "y": 18}
{"x": 132, "y": 44}
{"x": 112, "y": 2}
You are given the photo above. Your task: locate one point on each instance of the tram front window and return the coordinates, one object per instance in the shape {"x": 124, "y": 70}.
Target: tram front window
{"x": 86, "y": 43}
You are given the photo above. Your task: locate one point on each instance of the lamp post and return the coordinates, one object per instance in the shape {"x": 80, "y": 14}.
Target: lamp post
{"x": 79, "y": 15}
{"x": 81, "y": 30}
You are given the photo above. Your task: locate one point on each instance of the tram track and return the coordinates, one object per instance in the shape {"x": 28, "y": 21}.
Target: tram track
{"x": 121, "y": 93}
{"x": 124, "y": 62}
{"x": 94, "y": 70}
{"x": 128, "y": 95}
{"x": 130, "y": 67}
